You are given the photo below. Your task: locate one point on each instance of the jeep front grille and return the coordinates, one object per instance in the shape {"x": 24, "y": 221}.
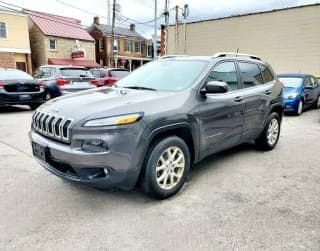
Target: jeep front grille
{"x": 52, "y": 126}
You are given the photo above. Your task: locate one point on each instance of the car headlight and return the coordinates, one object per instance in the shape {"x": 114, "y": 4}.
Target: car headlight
{"x": 115, "y": 120}
{"x": 293, "y": 95}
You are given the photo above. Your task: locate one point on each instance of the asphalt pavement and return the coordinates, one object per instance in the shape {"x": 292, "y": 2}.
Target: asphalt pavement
{"x": 241, "y": 199}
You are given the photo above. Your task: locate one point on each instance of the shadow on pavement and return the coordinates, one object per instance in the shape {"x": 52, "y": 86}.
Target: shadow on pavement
{"x": 11, "y": 109}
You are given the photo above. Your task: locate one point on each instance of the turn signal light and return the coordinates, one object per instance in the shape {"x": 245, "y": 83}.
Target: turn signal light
{"x": 61, "y": 81}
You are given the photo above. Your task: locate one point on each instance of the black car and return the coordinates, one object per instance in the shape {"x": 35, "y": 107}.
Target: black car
{"x": 154, "y": 124}
{"x": 60, "y": 80}
{"x": 19, "y": 88}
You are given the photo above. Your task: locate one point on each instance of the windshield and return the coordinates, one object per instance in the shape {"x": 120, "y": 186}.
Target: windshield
{"x": 14, "y": 74}
{"x": 118, "y": 73}
{"x": 75, "y": 72}
{"x": 291, "y": 82}
{"x": 172, "y": 75}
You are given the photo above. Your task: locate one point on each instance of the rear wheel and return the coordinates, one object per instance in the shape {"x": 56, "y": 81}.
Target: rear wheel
{"x": 166, "y": 167}
{"x": 270, "y": 134}
{"x": 300, "y": 108}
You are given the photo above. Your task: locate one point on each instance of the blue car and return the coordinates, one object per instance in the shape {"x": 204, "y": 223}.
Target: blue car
{"x": 300, "y": 92}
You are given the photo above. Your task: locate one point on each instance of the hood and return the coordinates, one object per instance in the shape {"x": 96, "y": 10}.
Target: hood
{"x": 103, "y": 102}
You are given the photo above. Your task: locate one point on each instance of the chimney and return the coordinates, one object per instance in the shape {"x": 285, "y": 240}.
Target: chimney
{"x": 96, "y": 20}
{"x": 132, "y": 27}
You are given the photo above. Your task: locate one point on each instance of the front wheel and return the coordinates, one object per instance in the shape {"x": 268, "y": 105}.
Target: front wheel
{"x": 166, "y": 167}
{"x": 317, "y": 103}
{"x": 270, "y": 134}
{"x": 300, "y": 108}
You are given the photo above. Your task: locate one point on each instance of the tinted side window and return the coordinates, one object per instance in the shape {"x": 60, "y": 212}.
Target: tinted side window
{"x": 267, "y": 75}
{"x": 307, "y": 82}
{"x": 251, "y": 74}
{"x": 225, "y": 72}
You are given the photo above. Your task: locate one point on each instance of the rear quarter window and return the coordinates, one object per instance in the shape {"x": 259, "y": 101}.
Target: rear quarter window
{"x": 267, "y": 75}
{"x": 251, "y": 74}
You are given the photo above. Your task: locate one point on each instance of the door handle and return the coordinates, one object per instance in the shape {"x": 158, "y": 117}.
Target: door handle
{"x": 237, "y": 99}
{"x": 268, "y": 92}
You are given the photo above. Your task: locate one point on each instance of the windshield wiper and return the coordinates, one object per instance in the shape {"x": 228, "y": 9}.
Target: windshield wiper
{"x": 136, "y": 87}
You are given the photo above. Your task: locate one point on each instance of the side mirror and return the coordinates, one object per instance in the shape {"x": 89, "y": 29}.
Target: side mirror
{"x": 215, "y": 87}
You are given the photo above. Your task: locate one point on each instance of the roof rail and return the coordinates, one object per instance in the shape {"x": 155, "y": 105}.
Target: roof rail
{"x": 225, "y": 54}
{"x": 172, "y": 56}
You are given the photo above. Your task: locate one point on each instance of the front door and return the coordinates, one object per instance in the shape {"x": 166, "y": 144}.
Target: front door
{"x": 221, "y": 115}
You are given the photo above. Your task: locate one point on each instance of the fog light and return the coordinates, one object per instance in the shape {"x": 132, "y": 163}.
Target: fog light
{"x": 94, "y": 145}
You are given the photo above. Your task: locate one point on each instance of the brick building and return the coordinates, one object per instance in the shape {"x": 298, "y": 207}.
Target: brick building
{"x": 60, "y": 40}
{"x": 289, "y": 39}
{"x": 130, "y": 48}
{"x": 14, "y": 41}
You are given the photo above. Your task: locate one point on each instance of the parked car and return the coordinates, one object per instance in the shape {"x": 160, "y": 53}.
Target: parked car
{"x": 60, "y": 80}
{"x": 108, "y": 76}
{"x": 300, "y": 91}
{"x": 19, "y": 88}
{"x": 152, "y": 125}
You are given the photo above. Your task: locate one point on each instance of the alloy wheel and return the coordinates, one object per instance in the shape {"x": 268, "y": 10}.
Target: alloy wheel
{"x": 300, "y": 107}
{"x": 170, "y": 167}
{"x": 273, "y": 131}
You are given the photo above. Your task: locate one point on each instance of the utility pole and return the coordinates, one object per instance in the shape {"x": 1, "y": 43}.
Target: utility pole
{"x": 108, "y": 13}
{"x": 112, "y": 33}
{"x": 155, "y": 31}
{"x": 176, "y": 30}
{"x": 166, "y": 23}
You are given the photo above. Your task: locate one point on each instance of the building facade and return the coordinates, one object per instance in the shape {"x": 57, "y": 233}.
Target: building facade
{"x": 60, "y": 40}
{"x": 14, "y": 41}
{"x": 289, "y": 39}
{"x": 130, "y": 48}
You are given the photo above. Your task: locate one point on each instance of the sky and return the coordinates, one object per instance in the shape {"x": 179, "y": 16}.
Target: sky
{"x": 140, "y": 11}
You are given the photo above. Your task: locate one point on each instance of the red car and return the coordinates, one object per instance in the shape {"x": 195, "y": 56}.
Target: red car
{"x": 108, "y": 76}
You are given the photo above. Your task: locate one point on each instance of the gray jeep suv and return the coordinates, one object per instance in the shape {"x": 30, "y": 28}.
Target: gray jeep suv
{"x": 158, "y": 121}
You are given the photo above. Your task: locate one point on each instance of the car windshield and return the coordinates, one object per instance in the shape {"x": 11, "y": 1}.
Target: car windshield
{"x": 291, "y": 82}
{"x": 75, "y": 72}
{"x": 166, "y": 75}
{"x": 14, "y": 74}
{"x": 118, "y": 73}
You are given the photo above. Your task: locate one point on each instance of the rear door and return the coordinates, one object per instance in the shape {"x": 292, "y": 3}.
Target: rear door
{"x": 221, "y": 115}
{"x": 256, "y": 94}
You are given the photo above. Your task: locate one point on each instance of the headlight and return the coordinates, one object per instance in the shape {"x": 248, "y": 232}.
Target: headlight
{"x": 116, "y": 120}
{"x": 293, "y": 95}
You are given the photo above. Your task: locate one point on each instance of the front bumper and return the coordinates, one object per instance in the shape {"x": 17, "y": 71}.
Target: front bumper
{"x": 26, "y": 98}
{"x": 73, "y": 164}
{"x": 291, "y": 105}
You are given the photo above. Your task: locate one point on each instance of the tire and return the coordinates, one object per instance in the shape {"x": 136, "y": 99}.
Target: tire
{"x": 48, "y": 96}
{"x": 269, "y": 137}
{"x": 317, "y": 103}
{"x": 166, "y": 167}
{"x": 300, "y": 108}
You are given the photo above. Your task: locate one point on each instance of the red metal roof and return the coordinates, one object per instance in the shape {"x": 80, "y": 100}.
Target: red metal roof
{"x": 58, "y": 26}
{"x": 84, "y": 63}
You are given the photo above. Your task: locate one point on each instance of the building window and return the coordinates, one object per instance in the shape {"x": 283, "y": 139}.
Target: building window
{"x": 53, "y": 44}
{"x": 3, "y": 30}
{"x": 137, "y": 48}
{"x": 116, "y": 45}
{"x": 128, "y": 46}
{"x": 101, "y": 44}
{"x": 149, "y": 50}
